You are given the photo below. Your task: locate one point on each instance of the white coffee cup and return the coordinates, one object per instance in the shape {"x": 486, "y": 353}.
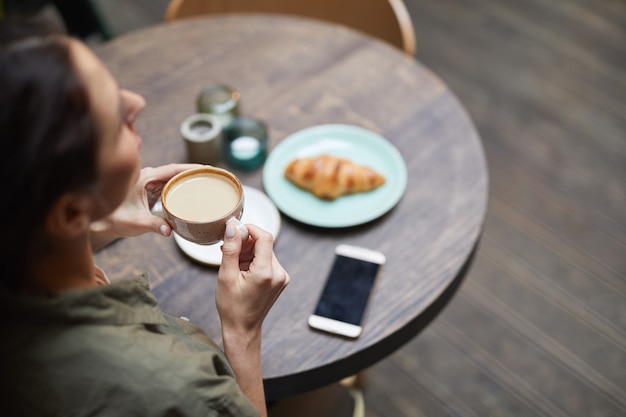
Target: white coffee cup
{"x": 200, "y": 202}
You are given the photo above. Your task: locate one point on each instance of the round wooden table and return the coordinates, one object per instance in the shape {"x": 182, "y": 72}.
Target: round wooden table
{"x": 296, "y": 73}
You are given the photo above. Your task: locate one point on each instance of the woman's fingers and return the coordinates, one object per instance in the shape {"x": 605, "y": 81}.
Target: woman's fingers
{"x": 263, "y": 251}
{"x": 231, "y": 250}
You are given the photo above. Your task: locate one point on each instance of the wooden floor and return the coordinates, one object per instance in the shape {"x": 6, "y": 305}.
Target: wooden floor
{"x": 539, "y": 326}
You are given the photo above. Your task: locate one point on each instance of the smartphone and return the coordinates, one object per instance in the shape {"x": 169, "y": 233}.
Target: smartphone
{"x": 342, "y": 304}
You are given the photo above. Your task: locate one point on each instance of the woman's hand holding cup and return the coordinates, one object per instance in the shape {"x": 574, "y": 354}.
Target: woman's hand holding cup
{"x": 133, "y": 217}
{"x": 250, "y": 280}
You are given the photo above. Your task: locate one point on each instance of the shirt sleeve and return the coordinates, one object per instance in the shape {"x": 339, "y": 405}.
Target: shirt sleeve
{"x": 195, "y": 378}
{"x": 164, "y": 372}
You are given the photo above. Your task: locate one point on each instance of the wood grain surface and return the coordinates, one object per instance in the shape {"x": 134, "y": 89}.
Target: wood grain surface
{"x": 296, "y": 73}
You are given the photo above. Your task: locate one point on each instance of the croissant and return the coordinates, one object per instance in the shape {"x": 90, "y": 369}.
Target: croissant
{"x": 329, "y": 177}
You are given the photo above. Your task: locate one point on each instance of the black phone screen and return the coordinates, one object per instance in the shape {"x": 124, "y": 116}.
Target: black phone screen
{"x": 347, "y": 290}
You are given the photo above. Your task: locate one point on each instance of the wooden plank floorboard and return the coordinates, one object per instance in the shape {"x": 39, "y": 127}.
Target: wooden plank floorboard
{"x": 577, "y": 162}
{"x": 570, "y": 285}
{"x": 588, "y": 188}
{"x": 584, "y": 230}
{"x": 494, "y": 56}
{"x": 539, "y": 326}
{"x": 510, "y": 50}
{"x": 517, "y": 298}
{"x": 466, "y": 377}
{"x": 568, "y": 252}
{"x": 531, "y": 189}
{"x": 581, "y": 36}
{"x": 522, "y": 361}
{"x": 392, "y": 391}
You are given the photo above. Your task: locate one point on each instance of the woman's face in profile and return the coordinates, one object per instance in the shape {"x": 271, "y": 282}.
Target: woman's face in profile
{"x": 115, "y": 112}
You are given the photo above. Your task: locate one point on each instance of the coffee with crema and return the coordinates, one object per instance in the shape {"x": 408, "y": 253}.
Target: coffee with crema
{"x": 202, "y": 197}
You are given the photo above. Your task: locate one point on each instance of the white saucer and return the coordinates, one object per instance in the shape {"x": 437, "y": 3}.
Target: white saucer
{"x": 258, "y": 210}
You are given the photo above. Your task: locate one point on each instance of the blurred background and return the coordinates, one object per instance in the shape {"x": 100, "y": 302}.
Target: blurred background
{"x": 539, "y": 326}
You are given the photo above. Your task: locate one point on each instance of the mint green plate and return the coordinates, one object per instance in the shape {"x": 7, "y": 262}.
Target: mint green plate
{"x": 351, "y": 142}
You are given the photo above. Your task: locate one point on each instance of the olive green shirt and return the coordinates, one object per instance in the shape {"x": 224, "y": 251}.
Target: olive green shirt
{"x": 109, "y": 351}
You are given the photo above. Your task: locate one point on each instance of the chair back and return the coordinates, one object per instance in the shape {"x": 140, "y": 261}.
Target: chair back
{"x": 388, "y": 20}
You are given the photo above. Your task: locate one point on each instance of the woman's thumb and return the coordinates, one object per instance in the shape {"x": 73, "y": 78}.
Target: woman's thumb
{"x": 231, "y": 248}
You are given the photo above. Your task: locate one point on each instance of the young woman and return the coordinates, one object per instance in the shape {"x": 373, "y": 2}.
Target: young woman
{"x": 74, "y": 344}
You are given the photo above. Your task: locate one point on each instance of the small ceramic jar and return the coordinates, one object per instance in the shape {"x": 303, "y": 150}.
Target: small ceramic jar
{"x": 220, "y": 101}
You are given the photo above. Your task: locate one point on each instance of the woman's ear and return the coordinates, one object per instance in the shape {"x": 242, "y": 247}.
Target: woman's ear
{"x": 70, "y": 215}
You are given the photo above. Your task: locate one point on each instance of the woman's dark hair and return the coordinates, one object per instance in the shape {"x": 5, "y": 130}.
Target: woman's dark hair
{"x": 48, "y": 139}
